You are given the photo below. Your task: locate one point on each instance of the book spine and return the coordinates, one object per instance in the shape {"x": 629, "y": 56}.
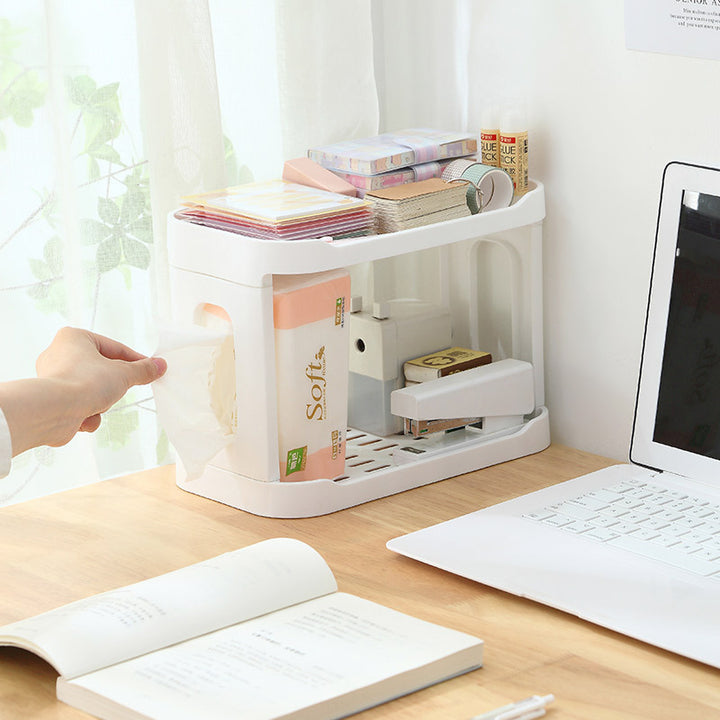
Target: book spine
{"x": 422, "y": 374}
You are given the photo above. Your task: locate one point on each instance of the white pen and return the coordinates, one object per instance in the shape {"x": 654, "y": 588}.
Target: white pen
{"x": 532, "y": 707}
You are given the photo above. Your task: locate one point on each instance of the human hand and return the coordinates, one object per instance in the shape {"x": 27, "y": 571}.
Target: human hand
{"x": 101, "y": 371}
{"x": 80, "y": 375}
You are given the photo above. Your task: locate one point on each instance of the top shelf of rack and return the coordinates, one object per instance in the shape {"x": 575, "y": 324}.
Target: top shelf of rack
{"x": 241, "y": 259}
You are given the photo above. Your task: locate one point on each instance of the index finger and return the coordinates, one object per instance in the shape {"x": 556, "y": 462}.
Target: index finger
{"x": 114, "y": 350}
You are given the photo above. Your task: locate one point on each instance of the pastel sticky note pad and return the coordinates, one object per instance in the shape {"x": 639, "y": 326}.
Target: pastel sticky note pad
{"x": 306, "y": 172}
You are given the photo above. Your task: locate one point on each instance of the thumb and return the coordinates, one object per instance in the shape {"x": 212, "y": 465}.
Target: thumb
{"x": 142, "y": 372}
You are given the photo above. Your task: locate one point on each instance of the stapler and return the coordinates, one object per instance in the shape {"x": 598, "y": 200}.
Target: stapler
{"x": 490, "y": 399}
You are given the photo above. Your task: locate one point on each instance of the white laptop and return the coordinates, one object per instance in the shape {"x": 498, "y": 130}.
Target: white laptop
{"x": 634, "y": 547}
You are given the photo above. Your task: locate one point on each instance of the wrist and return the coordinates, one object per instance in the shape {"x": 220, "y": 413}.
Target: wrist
{"x": 40, "y": 411}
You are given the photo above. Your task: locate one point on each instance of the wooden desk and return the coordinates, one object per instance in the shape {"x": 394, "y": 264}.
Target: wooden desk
{"x": 64, "y": 547}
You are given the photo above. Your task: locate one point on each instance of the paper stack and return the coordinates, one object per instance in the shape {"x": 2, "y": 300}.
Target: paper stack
{"x": 419, "y": 203}
{"x": 395, "y": 157}
{"x": 279, "y": 210}
{"x": 413, "y": 173}
{"x": 369, "y": 156}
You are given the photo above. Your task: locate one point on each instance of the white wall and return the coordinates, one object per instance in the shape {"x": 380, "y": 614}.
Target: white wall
{"x": 604, "y": 123}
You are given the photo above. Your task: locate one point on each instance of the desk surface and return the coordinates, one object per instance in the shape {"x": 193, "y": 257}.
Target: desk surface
{"x": 77, "y": 543}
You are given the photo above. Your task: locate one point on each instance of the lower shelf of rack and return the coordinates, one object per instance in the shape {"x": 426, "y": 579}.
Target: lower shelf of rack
{"x": 375, "y": 467}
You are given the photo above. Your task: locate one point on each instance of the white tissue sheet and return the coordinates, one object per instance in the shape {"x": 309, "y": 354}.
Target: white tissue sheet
{"x": 195, "y": 399}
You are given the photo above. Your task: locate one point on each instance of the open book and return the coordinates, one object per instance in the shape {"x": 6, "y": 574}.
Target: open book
{"x": 260, "y": 632}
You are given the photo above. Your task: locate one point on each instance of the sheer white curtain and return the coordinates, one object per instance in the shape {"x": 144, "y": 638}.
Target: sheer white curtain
{"x": 424, "y": 79}
{"x": 292, "y": 74}
{"x": 423, "y": 64}
{"x": 111, "y": 111}
{"x": 76, "y": 244}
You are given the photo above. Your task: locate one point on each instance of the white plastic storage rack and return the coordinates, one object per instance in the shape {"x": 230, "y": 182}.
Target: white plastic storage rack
{"x": 235, "y": 272}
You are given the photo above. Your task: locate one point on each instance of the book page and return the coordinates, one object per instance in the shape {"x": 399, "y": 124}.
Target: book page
{"x": 120, "y": 624}
{"x": 325, "y": 658}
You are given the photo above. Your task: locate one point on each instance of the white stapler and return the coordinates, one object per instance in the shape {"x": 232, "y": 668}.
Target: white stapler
{"x": 491, "y": 398}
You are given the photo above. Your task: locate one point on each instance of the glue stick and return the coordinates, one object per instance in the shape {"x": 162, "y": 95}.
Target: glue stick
{"x": 489, "y": 136}
{"x": 514, "y": 147}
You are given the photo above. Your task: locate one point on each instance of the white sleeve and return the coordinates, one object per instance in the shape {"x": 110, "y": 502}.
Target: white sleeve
{"x": 5, "y": 446}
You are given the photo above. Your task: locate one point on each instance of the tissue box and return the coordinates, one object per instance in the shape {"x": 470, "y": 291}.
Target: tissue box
{"x": 311, "y": 361}
{"x": 370, "y": 156}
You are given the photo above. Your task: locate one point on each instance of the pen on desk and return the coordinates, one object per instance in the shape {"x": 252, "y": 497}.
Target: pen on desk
{"x": 532, "y": 707}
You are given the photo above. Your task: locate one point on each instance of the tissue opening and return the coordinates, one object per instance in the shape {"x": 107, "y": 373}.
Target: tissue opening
{"x": 213, "y": 316}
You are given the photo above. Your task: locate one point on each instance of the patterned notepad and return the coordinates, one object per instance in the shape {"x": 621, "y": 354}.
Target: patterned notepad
{"x": 414, "y": 173}
{"x": 370, "y": 156}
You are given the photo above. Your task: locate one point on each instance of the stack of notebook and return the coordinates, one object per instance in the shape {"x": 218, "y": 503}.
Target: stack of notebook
{"x": 394, "y": 158}
{"x": 418, "y": 203}
{"x": 279, "y": 210}
{"x": 413, "y": 173}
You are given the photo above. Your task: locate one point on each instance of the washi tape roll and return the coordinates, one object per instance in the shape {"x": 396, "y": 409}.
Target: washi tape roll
{"x": 491, "y": 188}
{"x": 454, "y": 171}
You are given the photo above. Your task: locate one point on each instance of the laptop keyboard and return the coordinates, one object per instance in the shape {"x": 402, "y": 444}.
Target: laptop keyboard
{"x": 647, "y": 519}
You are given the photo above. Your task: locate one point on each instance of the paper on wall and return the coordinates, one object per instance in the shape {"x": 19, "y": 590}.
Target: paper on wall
{"x": 675, "y": 27}
{"x": 195, "y": 398}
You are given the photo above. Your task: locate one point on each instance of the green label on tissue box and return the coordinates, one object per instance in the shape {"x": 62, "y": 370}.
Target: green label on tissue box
{"x": 340, "y": 311}
{"x": 296, "y": 460}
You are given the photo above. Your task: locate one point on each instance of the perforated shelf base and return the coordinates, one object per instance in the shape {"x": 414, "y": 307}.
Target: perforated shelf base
{"x": 375, "y": 467}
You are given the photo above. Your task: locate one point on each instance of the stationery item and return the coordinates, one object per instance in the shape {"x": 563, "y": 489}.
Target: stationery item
{"x": 311, "y": 364}
{"x": 351, "y": 223}
{"x": 389, "y": 224}
{"x": 514, "y": 150}
{"x": 416, "y": 204}
{"x": 490, "y": 136}
{"x": 278, "y": 210}
{"x": 306, "y": 172}
{"x": 648, "y": 527}
{"x": 373, "y": 155}
{"x": 444, "y": 362}
{"x": 532, "y": 707}
{"x": 489, "y": 188}
{"x": 260, "y": 633}
{"x": 500, "y": 393}
{"x": 414, "y": 173}
{"x": 418, "y": 428}
{"x": 438, "y": 365}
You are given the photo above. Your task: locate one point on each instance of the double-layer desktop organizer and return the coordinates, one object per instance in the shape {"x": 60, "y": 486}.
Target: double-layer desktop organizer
{"x": 486, "y": 270}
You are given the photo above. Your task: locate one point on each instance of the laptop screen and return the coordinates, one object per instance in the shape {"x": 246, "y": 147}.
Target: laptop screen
{"x": 677, "y": 415}
{"x": 688, "y": 407}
